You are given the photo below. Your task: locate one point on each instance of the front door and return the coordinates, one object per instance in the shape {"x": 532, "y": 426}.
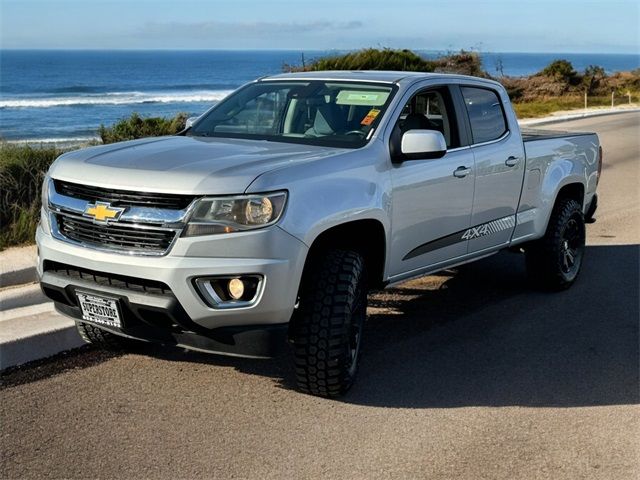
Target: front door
{"x": 432, "y": 199}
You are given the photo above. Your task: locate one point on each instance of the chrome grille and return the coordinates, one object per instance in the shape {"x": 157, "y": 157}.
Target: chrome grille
{"x": 123, "y": 198}
{"x": 116, "y": 236}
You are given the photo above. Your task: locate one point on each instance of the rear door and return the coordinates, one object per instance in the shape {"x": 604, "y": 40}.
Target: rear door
{"x": 499, "y": 167}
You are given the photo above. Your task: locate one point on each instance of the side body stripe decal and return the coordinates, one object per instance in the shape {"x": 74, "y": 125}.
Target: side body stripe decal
{"x": 481, "y": 230}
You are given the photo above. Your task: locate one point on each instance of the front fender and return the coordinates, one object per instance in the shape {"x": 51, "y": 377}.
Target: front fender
{"x": 332, "y": 191}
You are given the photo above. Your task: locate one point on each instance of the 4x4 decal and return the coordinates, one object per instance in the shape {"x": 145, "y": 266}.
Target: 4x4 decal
{"x": 478, "y": 231}
{"x": 488, "y": 228}
{"x": 475, "y": 232}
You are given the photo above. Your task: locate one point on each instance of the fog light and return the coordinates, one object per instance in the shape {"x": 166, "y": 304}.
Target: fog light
{"x": 235, "y": 288}
{"x": 229, "y": 291}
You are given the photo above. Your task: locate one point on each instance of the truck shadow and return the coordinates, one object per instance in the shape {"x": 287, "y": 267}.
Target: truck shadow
{"x": 481, "y": 336}
{"x": 485, "y": 338}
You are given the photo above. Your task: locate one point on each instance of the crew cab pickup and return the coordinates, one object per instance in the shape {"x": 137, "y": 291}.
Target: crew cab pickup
{"x": 270, "y": 217}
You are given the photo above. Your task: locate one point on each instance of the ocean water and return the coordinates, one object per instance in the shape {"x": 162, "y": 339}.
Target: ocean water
{"x": 64, "y": 96}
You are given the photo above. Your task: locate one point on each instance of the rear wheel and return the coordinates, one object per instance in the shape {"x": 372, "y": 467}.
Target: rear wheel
{"x": 327, "y": 328}
{"x": 102, "y": 338}
{"x": 554, "y": 261}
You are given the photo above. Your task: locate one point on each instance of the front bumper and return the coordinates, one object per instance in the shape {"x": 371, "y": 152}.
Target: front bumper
{"x": 182, "y": 317}
{"x": 161, "y": 320}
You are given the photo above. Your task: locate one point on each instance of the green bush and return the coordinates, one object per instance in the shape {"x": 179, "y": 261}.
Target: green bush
{"x": 22, "y": 170}
{"x": 592, "y": 79}
{"x": 371, "y": 59}
{"x": 561, "y": 70}
{"x": 139, "y": 127}
{"x": 463, "y": 63}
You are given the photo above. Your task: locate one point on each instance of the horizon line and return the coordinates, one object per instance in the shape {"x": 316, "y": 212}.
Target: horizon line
{"x": 445, "y": 51}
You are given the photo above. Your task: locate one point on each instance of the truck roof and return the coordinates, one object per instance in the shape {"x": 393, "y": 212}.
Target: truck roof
{"x": 381, "y": 76}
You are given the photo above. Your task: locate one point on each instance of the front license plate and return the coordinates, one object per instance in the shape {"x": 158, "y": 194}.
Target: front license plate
{"x": 99, "y": 309}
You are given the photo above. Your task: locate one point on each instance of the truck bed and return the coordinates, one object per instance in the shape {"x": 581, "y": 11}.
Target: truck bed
{"x": 531, "y": 134}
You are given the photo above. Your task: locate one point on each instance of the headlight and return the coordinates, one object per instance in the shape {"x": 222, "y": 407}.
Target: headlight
{"x": 234, "y": 214}
{"x": 44, "y": 211}
{"x": 44, "y": 197}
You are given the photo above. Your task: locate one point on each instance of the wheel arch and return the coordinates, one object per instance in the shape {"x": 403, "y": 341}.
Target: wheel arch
{"x": 571, "y": 188}
{"x": 573, "y": 191}
{"x": 366, "y": 236}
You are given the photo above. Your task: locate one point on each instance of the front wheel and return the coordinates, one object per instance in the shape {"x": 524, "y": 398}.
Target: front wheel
{"x": 327, "y": 328}
{"x": 554, "y": 261}
{"x": 103, "y": 339}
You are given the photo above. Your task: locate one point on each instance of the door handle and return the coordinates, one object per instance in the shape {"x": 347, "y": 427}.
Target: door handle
{"x": 461, "y": 172}
{"x": 512, "y": 161}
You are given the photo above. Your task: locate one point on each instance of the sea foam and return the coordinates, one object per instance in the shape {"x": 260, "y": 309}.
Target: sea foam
{"x": 116, "y": 98}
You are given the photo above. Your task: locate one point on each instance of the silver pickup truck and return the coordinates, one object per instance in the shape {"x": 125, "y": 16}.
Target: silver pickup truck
{"x": 270, "y": 217}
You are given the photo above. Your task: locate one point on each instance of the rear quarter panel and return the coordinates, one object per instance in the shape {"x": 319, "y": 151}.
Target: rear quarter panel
{"x": 553, "y": 163}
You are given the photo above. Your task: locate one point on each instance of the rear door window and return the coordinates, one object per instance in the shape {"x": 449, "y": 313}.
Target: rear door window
{"x": 486, "y": 114}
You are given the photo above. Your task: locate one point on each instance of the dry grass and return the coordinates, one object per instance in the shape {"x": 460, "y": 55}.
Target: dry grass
{"x": 22, "y": 170}
{"x": 546, "y": 106}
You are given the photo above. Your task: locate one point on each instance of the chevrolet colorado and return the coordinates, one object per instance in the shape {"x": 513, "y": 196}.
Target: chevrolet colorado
{"x": 270, "y": 217}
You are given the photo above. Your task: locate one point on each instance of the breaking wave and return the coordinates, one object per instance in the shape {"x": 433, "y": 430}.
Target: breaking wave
{"x": 116, "y": 98}
{"x": 55, "y": 140}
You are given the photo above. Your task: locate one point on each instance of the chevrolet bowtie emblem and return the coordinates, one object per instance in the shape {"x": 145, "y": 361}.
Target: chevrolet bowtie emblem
{"x": 102, "y": 212}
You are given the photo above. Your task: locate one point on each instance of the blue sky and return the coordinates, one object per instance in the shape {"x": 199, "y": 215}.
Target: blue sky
{"x": 505, "y": 26}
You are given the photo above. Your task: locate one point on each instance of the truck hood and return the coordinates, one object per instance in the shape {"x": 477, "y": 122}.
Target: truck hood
{"x": 180, "y": 164}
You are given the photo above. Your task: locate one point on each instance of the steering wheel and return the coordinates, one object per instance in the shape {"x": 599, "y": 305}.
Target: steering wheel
{"x": 356, "y": 132}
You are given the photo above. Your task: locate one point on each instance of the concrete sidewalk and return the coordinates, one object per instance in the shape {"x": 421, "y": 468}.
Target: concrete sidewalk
{"x": 18, "y": 265}
{"x": 30, "y": 328}
{"x": 34, "y": 332}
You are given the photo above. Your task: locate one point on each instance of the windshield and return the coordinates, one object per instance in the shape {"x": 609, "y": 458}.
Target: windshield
{"x": 337, "y": 114}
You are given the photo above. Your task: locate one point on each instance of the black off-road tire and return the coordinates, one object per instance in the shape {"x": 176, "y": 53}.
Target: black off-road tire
{"x": 327, "y": 328}
{"x": 554, "y": 261}
{"x": 102, "y": 338}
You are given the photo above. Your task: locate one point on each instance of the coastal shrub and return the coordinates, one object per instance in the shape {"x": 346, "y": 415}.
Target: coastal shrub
{"x": 623, "y": 82}
{"x": 140, "y": 127}
{"x": 22, "y": 170}
{"x": 370, "y": 59}
{"x": 593, "y": 78}
{"x": 463, "y": 62}
{"x": 515, "y": 90}
{"x": 561, "y": 70}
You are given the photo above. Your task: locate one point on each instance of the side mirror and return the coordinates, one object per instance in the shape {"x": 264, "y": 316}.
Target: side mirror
{"x": 423, "y": 144}
{"x": 190, "y": 121}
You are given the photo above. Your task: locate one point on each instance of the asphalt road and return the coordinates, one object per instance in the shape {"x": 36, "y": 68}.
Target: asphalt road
{"x": 467, "y": 374}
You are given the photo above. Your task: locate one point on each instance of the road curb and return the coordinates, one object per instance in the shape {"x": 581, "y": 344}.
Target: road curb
{"x": 18, "y": 277}
{"x": 35, "y": 334}
{"x": 37, "y": 347}
{"x": 21, "y": 296}
{"x": 18, "y": 266}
